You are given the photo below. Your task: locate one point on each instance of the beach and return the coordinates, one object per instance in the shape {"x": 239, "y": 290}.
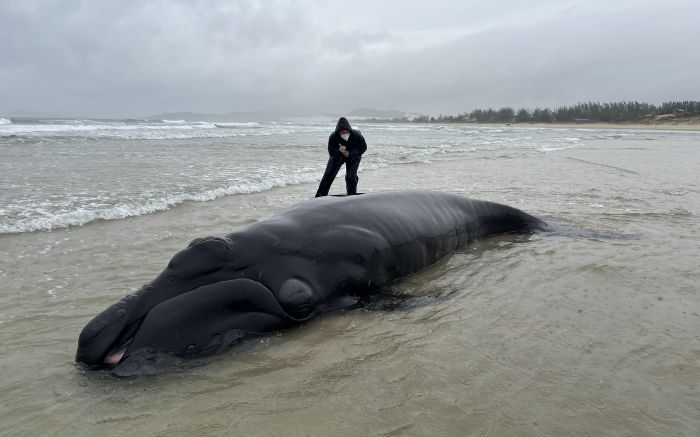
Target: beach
{"x": 680, "y": 125}
{"x": 590, "y": 330}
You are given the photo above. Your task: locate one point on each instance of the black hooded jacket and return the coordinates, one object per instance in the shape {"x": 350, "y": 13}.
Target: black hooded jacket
{"x": 356, "y": 144}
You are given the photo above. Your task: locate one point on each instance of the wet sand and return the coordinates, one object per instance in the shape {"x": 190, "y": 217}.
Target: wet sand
{"x": 581, "y": 333}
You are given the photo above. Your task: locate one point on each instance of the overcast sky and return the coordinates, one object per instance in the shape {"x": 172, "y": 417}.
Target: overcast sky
{"x": 133, "y": 58}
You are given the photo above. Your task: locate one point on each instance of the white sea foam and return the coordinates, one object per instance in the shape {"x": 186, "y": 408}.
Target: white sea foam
{"x": 4, "y": 121}
{"x": 82, "y": 215}
{"x": 130, "y": 130}
{"x": 547, "y": 149}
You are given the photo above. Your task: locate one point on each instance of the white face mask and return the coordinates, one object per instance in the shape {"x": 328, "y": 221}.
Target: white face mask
{"x": 345, "y": 137}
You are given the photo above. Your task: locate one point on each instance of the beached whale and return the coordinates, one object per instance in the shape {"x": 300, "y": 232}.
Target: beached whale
{"x": 285, "y": 270}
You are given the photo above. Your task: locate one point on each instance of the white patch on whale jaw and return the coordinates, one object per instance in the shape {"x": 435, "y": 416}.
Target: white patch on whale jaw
{"x": 115, "y": 358}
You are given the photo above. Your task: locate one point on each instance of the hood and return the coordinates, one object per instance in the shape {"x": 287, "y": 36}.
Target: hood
{"x": 343, "y": 123}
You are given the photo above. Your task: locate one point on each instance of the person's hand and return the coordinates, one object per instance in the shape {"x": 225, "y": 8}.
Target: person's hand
{"x": 344, "y": 151}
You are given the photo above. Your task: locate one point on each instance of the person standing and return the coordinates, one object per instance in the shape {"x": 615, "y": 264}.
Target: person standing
{"x": 345, "y": 146}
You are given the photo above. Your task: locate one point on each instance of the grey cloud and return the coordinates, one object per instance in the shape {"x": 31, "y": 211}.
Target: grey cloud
{"x": 130, "y": 58}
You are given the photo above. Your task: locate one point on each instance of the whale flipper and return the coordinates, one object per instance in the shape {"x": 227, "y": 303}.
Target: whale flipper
{"x": 210, "y": 318}
{"x": 296, "y": 297}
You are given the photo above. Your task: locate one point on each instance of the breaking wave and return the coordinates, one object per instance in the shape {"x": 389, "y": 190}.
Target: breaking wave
{"x": 84, "y": 215}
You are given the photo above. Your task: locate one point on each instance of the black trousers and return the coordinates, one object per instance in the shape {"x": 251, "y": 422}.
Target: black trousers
{"x": 334, "y": 164}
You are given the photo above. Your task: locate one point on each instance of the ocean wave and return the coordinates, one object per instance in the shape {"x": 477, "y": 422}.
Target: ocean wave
{"x": 676, "y": 192}
{"x": 150, "y": 130}
{"x": 237, "y": 125}
{"x": 82, "y": 216}
{"x": 4, "y": 121}
{"x": 136, "y": 129}
{"x": 547, "y": 149}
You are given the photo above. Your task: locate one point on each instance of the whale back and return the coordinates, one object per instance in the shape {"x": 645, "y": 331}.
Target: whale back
{"x": 365, "y": 242}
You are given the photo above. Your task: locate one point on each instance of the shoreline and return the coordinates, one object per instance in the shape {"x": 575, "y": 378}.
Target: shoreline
{"x": 688, "y": 127}
{"x": 691, "y": 127}
{"x": 638, "y": 126}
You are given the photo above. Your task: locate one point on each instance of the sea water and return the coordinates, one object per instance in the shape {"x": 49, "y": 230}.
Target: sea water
{"x": 59, "y": 173}
{"x": 590, "y": 330}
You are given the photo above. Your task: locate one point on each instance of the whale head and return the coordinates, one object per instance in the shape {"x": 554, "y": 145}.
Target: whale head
{"x": 196, "y": 323}
{"x": 198, "y": 305}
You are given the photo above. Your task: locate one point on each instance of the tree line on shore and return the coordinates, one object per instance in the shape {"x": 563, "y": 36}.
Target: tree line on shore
{"x": 613, "y": 112}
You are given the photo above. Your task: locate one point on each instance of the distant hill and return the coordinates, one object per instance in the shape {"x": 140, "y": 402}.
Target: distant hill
{"x": 235, "y": 116}
{"x": 376, "y": 113}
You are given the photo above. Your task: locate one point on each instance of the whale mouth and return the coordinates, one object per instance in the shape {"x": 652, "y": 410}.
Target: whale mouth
{"x": 114, "y": 358}
{"x": 117, "y": 351}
